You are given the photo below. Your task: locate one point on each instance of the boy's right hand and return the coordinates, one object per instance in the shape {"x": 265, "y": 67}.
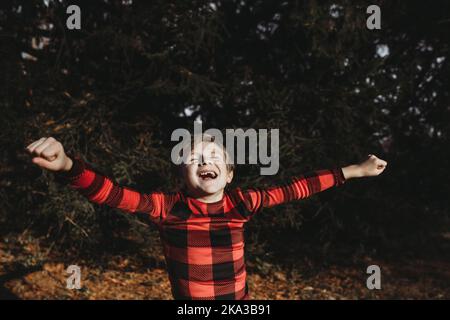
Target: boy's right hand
{"x": 48, "y": 153}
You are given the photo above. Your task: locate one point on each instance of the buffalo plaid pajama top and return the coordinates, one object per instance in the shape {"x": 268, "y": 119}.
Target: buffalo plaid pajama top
{"x": 203, "y": 242}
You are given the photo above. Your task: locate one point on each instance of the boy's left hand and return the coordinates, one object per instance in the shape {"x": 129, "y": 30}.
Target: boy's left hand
{"x": 371, "y": 167}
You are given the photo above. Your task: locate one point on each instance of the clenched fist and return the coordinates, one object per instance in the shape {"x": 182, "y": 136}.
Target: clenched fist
{"x": 48, "y": 153}
{"x": 371, "y": 167}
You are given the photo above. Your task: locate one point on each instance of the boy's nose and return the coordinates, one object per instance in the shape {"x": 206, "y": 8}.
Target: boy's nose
{"x": 204, "y": 162}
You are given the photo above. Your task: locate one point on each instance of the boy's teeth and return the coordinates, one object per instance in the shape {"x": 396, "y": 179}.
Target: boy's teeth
{"x": 209, "y": 174}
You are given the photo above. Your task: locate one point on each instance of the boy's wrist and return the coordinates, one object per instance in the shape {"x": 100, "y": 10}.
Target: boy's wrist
{"x": 352, "y": 171}
{"x": 68, "y": 165}
{"x": 72, "y": 169}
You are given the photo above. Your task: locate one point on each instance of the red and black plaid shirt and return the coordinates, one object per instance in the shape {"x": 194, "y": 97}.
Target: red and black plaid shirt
{"x": 203, "y": 242}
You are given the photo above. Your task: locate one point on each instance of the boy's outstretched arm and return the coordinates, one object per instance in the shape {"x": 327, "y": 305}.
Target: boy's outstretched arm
{"x": 49, "y": 154}
{"x": 306, "y": 185}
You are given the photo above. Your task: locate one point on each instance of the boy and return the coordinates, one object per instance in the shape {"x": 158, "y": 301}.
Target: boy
{"x": 201, "y": 228}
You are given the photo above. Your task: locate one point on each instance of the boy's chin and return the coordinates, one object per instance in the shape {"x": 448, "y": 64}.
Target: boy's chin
{"x": 209, "y": 190}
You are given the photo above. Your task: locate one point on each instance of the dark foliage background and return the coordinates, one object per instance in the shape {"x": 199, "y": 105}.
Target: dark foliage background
{"x": 116, "y": 89}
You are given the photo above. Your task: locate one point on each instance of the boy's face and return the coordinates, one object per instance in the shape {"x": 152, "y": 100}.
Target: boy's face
{"x": 205, "y": 171}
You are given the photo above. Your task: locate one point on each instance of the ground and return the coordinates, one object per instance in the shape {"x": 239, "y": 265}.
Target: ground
{"x": 29, "y": 271}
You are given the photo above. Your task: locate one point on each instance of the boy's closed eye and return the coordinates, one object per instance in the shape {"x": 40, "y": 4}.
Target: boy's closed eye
{"x": 198, "y": 159}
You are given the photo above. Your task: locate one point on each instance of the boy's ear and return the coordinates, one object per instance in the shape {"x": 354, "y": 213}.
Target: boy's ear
{"x": 230, "y": 176}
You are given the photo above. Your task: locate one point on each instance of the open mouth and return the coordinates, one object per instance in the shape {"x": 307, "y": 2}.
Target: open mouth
{"x": 207, "y": 175}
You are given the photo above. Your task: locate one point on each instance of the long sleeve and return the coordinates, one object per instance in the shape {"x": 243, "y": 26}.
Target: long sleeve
{"x": 100, "y": 189}
{"x": 297, "y": 188}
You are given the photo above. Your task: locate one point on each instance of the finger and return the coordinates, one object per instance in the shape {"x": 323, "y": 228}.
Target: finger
{"x": 30, "y": 145}
{"x": 34, "y": 144}
{"x": 38, "y": 150}
{"x": 41, "y": 162}
{"x": 51, "y": 152}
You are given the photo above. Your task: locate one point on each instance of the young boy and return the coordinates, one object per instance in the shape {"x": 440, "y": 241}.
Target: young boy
{"x": 201, "y": 228}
